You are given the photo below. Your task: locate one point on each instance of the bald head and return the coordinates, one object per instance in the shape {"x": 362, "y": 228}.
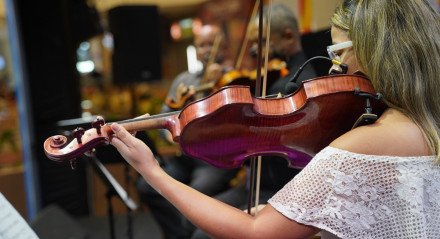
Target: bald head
{"x": 208, "y": 31}
{"x": 281, "y": 18}
{"x": 285, "y": 38}
{"x": 204, "y": 41}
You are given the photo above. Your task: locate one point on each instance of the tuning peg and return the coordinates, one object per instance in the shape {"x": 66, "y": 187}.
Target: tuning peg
{"x": 77, "y": 134}
{"x": 98, "y": 123}
{"x": 57, "y": 141}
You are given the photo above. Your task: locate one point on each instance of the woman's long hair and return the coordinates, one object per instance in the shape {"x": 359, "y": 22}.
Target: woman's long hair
{"x": 397, "y": 43}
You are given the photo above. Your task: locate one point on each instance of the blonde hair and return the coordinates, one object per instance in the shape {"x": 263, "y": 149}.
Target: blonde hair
{"x": 397, "y": 43}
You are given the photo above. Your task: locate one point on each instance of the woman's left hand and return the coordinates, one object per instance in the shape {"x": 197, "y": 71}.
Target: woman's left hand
{"x": 135, "y": 152}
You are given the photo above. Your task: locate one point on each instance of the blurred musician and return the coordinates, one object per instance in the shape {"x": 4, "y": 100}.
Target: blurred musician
{"x": 211, "y": 49}
{"x": 285, "y": 45}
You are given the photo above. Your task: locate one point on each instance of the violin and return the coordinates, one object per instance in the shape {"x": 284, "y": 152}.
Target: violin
{"x": 275, "y": 70}
{"x": 188, "y": 95}
{"x": 229, "y": 126}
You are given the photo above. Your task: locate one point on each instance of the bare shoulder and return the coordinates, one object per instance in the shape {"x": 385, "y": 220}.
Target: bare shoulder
{"x": 393, "y": 134}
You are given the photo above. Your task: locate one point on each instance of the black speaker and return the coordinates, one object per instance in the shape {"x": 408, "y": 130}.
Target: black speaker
{"x": 137, "y": 48}
{"x": 84, "y": 20}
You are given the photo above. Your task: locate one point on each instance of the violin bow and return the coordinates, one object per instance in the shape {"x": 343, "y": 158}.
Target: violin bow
{"x": 256, "y": 162}
{"x": 246, "y": 37}
{"x": 212, "y": 55}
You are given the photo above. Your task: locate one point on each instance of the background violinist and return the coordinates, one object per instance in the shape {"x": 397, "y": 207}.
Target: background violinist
{"x": 285, "y": 45}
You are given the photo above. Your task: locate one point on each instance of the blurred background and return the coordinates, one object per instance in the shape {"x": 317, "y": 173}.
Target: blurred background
{"x": 64, "y": 60}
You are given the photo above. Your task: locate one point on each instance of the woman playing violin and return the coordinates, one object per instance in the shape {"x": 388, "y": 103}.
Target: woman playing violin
{"x": 376, "y": 181}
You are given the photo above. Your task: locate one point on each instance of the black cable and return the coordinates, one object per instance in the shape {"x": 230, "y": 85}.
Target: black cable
{"x": 291, "y": 84}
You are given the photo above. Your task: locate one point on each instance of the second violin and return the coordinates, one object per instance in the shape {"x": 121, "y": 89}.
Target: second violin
{"x": 276, "y": 69}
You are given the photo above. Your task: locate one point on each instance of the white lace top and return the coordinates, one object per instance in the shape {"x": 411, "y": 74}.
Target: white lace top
{"x": 350, "y": 195}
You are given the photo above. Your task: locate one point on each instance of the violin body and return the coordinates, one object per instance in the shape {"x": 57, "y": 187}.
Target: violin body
{"x": 229, "y": 126}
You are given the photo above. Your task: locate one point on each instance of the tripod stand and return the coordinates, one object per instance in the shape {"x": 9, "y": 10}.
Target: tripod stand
{"x": 114, "y": 189}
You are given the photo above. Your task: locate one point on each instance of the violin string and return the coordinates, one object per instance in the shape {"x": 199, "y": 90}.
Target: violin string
{"x": 149, "y": 117}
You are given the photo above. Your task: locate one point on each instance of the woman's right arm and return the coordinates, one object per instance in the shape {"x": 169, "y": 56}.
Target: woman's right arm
{"x": 214, "y": 217}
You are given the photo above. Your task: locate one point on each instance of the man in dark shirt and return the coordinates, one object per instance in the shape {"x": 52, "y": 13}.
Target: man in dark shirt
{"x": 285, "y": 45}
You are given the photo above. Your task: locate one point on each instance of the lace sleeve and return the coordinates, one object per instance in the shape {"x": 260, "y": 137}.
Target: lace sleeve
{"x": 352, "y": 195}
{"x": 332, "y": 194}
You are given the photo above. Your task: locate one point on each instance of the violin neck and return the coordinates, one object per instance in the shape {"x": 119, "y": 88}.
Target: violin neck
{"x": 160, "y": 121}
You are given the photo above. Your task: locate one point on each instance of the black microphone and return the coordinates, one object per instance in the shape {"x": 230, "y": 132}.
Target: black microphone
{"x": 291, "y": 85}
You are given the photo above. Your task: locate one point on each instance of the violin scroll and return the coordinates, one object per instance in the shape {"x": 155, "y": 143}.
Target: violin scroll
{"x": 58, "y": 148}
{"x": 57, "y": 141}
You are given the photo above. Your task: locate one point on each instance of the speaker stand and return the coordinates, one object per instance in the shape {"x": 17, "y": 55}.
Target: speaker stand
{"x": 114, "y": 189}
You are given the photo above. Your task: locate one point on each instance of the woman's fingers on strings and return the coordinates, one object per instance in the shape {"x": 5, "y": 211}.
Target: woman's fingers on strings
{"x": 124, "y": 142}
{"x": 122, "y": 136}
{"x": 119, "y": 145}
